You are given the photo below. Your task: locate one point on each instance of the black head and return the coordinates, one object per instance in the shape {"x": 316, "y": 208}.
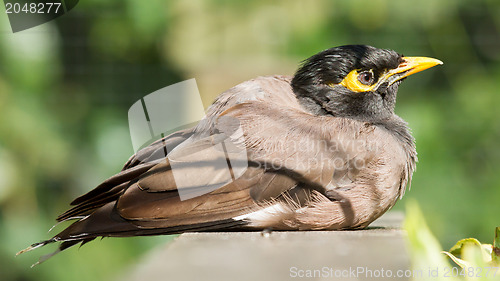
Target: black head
{"x": 354, "y": 81}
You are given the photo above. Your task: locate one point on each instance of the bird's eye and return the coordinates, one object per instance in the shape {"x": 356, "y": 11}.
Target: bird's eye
{"x": 359, "y": 82}
{"x": 366, "y": 77}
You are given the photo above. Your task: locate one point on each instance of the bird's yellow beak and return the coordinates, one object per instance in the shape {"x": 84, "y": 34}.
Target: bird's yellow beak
{"x": 409, "y": 66}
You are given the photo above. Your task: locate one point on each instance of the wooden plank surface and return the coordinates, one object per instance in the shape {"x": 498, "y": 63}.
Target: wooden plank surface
{"x": 373, "y": 253}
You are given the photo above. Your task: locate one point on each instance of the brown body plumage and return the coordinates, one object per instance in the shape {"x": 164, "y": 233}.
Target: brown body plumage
{"x": 322, "y": 154}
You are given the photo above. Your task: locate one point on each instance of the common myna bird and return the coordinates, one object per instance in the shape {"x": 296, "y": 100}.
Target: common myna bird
{"x": 322, "y": 150}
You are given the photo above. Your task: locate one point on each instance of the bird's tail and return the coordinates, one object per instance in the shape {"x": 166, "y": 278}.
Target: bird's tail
{"x": 104, "y": 222}
{"x": 63, "y": 246}
{"x": 65, "y": 238}
{"x": 84, "y": 230}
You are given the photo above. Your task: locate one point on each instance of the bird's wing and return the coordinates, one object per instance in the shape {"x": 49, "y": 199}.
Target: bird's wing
{"x": 232, "y": 173}
{"x": 158, "y": 149}
{"x": 154, "y": 205}
{"x": 204, "y": 180}
{"x": 220, "y": 176}
{"x": 271, "y": 88}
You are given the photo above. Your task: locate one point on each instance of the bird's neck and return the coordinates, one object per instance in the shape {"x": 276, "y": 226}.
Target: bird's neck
{"x": 343, "y": 109}
{"x": 399, "y": 129}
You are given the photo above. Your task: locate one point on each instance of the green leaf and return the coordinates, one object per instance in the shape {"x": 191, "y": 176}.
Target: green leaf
{"x": 458, "y": 249}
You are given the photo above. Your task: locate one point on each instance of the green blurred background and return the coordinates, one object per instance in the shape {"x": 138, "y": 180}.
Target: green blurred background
{"x": 66, "y": 86}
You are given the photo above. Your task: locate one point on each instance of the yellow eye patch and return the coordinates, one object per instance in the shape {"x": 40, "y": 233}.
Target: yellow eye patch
{"x": 359, "y": 82}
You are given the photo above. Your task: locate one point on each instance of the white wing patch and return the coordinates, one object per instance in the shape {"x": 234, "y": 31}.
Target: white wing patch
{"x": 266, "y": 217}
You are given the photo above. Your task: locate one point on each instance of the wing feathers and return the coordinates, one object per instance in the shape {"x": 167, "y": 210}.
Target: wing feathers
{"x": 113, "y": 181}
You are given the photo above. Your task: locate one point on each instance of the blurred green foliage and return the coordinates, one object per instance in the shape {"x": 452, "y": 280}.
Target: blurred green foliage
{"x": 66, "y": 86}
{"x": 476, "y": 261}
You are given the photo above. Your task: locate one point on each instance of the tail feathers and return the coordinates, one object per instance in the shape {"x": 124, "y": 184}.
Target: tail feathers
{"x": 86, "y": 208}
{"x": 46, "y": 257}
{"x": 67, "y": 219}
{"x": 105, "y": 222}
{"x": 36, "y": 246}
{"x": 63, "y": 246}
